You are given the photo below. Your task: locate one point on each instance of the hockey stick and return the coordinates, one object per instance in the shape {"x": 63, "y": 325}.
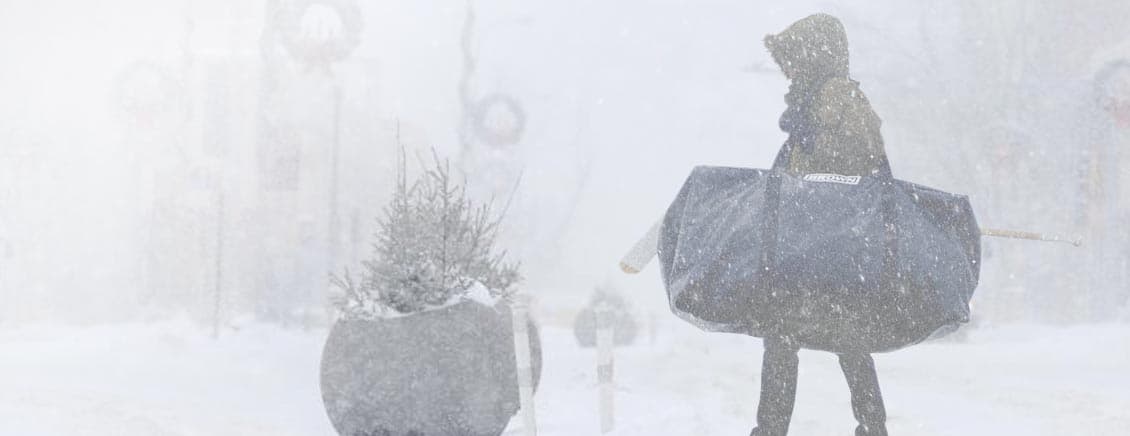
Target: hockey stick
{"x": 642, "y": 253}
{"x": 1016, "y": 234}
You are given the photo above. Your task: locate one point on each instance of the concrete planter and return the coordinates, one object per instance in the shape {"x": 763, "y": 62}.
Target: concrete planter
{"x": 449, "y": 371}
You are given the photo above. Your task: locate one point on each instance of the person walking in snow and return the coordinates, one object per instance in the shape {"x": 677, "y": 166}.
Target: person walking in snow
{"x": 832, "y": 129}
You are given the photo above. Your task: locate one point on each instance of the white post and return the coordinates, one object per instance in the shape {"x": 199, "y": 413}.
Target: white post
{"x": 604, "y": 366}
{"x": 525, "y": 369}
{"x": 218, "y": 286}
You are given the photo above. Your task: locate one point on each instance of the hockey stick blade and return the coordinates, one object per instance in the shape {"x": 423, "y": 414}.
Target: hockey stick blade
{"x": 642, "y": 252}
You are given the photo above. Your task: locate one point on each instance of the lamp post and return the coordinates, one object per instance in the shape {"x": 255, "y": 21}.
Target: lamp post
{"x": 316, "y": 35}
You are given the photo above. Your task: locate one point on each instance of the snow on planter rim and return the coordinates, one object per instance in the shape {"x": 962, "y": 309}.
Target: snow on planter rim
{"x": 477, "y": 293}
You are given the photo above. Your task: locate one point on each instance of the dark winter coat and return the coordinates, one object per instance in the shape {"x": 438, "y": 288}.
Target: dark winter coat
{"x": 831, "y": 126}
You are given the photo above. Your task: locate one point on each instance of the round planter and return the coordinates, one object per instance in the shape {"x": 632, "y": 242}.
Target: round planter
{"x": 449, "y": 371}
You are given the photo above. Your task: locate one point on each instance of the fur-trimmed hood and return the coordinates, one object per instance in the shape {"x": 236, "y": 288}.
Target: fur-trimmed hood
{"x": 816, "y": 48}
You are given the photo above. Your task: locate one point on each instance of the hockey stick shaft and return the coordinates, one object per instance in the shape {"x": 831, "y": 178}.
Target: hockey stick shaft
{"x": 1033, "y": 236}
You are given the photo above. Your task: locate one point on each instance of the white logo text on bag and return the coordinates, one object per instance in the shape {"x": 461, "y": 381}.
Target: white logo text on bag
{"x": 832, "y": 178}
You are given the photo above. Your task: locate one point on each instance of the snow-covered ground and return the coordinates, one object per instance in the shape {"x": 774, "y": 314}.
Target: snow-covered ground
{"x": 172, "y": 379}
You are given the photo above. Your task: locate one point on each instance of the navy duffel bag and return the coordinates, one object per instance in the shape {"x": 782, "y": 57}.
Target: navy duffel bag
{"x": 837, "y": 263}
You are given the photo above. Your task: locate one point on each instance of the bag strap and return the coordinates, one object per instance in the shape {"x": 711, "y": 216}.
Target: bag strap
{"x": 890, "y": 215}
{"x": 770, "y": 227}
{"x": 766, "y": 278}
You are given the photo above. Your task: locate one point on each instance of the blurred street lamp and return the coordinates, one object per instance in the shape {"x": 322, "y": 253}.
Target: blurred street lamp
{"x": 315, "y": 34}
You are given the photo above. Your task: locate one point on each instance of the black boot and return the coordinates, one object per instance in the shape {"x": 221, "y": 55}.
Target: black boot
{"x": 758, "y": 431}
{"x": 863, "y": 430}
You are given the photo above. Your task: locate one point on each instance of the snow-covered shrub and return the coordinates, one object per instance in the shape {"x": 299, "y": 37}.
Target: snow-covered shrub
{"x": 432, "y": 247}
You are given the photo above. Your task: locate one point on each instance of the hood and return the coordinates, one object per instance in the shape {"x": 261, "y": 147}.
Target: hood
{"x": 814, "y": 49}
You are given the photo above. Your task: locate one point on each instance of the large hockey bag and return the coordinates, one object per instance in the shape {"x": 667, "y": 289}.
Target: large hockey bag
{"x": 837, "y": 263}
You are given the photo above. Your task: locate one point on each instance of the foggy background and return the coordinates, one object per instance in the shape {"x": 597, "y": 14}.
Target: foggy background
{"x": 178, "y": 180}
{"x": 210, "y": 158}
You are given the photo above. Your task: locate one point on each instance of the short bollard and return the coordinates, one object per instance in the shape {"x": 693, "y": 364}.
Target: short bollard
{"x": 604, "y": 367}
{"x": 522, "y": 356}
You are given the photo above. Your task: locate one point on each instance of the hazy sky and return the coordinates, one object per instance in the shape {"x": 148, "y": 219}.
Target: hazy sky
{"x": 102, "y": 101}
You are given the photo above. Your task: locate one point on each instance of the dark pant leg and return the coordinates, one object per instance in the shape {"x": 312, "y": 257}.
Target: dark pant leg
{"x": 778, "y": 387}
{"x": 866, "y": 399}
